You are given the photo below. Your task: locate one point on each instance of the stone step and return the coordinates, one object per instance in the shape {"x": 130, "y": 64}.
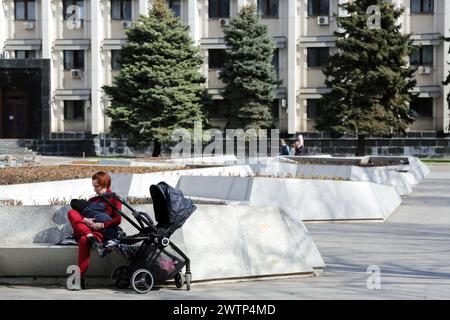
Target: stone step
{"x": 16, "y": 147}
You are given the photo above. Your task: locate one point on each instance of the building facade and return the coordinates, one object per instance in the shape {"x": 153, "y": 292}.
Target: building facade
{"x": 81, "y": 41}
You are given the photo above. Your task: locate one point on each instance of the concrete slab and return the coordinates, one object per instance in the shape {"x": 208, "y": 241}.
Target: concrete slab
{"x": 42, "y": 193}
{"x": 379, "y": 175}
{"x": 221, "y": 241}
{"x": 132, "y": 185}
{"x": 44, "y": 260}
{"x": 304, "y": 199}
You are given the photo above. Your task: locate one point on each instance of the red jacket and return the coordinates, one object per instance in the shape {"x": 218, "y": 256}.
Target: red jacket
{"x": 115, "y": 217}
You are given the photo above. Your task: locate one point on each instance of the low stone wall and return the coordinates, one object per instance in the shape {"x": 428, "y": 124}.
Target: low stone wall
{"x": 302, "y": 199}
{"x": 386, "y": 176}
{"x": 420, "y": 145}
{"x": 221, "y": 241}
{"x": 137, "y": 185}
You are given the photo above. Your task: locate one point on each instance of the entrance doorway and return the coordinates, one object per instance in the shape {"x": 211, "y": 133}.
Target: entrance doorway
{"x": 15, "y": 114}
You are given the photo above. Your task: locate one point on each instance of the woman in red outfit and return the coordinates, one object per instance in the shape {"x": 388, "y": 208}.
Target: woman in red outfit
{"x": 88, "y": 232}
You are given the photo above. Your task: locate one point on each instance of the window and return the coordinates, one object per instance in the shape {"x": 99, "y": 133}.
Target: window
{"x": 318, "y": 57}
{"x": 25, "y": 54}
{"x": 422, "y": 6}
{"x": 121, "y": 9}
{"x": 216, "y": 58}
{"x": 115, "y": 57}
{"x": 219, "y": 8}
{"x": 68, "y": 3}
{"x": 276, "y": 61}
{"x": 422, "y": 107}
{"x": 422, "y": 57}
{"x": 268, "y": 8}
{"x": 25, "y": 10}
{"x": 314, "y": 108}
{"x": 73, "y": 59}
{"x": 175, "y": 6}
{"x": 74, "y": 110}
{"x": 318, "y": 7}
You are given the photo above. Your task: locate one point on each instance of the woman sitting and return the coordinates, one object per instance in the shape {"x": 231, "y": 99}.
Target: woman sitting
{"x": 88, "y": 232}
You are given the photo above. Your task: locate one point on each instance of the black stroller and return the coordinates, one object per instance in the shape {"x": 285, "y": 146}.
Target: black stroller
{"x": 157, "y": 260}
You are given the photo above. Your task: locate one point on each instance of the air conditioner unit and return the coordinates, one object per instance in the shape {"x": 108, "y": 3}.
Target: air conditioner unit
{"x": 28, "y": 25}
{"x": 76, "y": 73}
{"x": 127, "y": 24}
{"x": 323, "y": 20}
{"x": 424, "y": 70}
{"x": 224, "y": 22}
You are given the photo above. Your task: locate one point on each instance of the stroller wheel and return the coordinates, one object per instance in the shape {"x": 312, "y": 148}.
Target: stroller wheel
{"x": 188, "y": 281}
{"x": 179, "y": 279}
{"x": 121, "y": 277}
{"x": 142, "y": 281}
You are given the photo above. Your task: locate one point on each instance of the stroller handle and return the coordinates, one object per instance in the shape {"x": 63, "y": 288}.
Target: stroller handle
{"x": 111, "y": 195}
{"x": 107, "y": 196}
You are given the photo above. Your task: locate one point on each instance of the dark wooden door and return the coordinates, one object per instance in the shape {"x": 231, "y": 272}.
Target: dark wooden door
{"x": 15, "y": 114}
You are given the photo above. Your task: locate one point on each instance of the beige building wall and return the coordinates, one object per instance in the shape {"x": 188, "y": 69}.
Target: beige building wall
{"x": 293, "y": 30}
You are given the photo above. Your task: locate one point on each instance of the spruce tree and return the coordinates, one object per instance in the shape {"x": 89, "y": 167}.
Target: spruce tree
{"x": 160, "y": 87}
{"x": 369, "y": 76}
{"x": 248, "y": 73}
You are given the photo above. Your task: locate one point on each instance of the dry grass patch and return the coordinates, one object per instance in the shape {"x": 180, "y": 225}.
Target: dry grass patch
{"x": 66, "y": 172}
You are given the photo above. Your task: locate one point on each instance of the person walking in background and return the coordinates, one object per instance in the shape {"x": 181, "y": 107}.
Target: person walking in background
{"x": 285, "y": 149}
{"x": 299, "y": 145}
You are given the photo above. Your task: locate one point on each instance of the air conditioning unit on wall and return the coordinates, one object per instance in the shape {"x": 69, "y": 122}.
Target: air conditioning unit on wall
{"x": 224, "y": 22}
{"x": 28, "y": 25}
{"x": 424, "y": 70}
{"x": 127, "y": 24}
{"x": 76, "y": 73}
{"x": 323, "y": 20}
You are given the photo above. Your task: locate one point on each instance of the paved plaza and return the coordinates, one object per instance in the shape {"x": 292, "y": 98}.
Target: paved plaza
{"x": 411, "y": 250}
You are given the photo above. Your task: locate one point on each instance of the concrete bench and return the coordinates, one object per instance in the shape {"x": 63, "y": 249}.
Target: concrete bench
{"x": 222, "y": 242}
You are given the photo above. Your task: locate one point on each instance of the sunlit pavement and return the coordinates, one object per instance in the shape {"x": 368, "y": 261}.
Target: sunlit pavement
{"x": 411, "y": 251}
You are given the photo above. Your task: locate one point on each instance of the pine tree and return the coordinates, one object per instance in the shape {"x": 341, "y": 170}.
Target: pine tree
{"x": 160, "y": 87}
{"x": 369, "y": 77}
{"x": 249, "y": 75}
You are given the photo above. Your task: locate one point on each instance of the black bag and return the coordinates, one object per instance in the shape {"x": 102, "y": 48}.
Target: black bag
{"x": 96, "y": 211}
{"x": 91, "y": 210}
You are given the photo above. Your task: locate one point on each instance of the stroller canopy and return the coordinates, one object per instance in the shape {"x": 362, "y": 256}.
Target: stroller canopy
{"x": 171, "y": 207}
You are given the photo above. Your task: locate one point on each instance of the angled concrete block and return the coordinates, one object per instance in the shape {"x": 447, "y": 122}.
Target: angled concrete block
{"x": 227, "y": 188}
{"x": 44, "y": 260}
{"x": 304, "y": 199}
{"x": 387, "y": 176}
{"x": 214, "y": 243}
{"x": 221, "y": 241}
{"x": 236, "y": 241}
{"x": 140, "y": 184}
{"x": 22, "y": 224}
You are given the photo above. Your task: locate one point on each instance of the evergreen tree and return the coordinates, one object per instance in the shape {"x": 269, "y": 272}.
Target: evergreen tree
{"x": 249, "y": 75}
{"x": 160, "y": 87}
{"x": 369, "y": 77}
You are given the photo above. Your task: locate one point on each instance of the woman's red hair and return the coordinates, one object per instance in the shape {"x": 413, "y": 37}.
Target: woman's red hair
{"x": 103, "y": 179}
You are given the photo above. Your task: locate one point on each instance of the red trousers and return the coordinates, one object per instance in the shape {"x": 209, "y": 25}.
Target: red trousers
{"x": 80, "y": 231}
